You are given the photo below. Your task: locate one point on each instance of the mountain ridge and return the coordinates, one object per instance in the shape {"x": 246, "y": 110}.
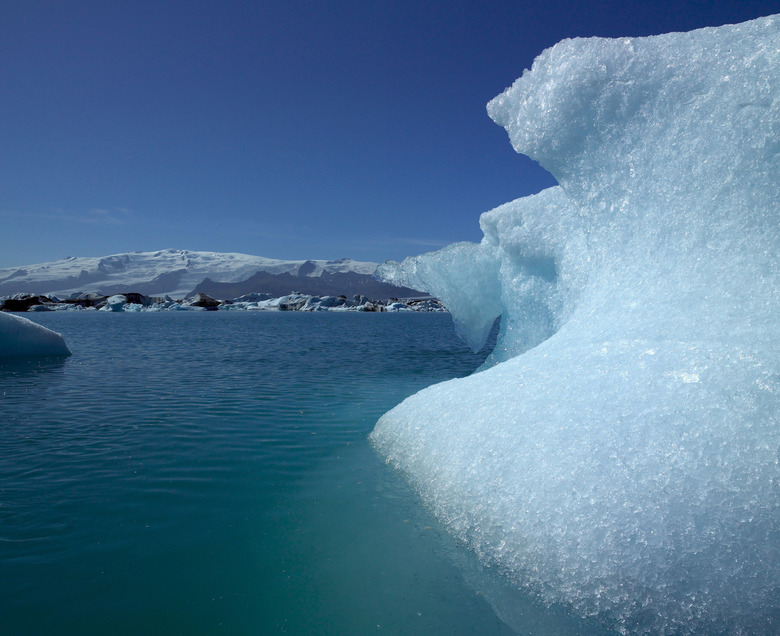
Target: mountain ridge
{"x": 180, "y": 273}
{"x": 327, "y": 284}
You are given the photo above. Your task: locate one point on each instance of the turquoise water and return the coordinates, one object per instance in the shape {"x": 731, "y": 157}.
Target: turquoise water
{"x": 208, "y": 473}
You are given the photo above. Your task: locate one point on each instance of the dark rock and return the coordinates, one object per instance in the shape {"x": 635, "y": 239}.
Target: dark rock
{"x": 277, "y": 285}
{"x": 307, "y": 268}
{"x": 168, "y": 280}
{"x": 137, "y": 299}
{"x": 202, "y": 300}
{"x": 86, "y": 299}
{"x": 23, "y": 302}
{"x": 294, "y": 305}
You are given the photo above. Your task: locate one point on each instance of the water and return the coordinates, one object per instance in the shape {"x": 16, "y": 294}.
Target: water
{"x": 208, "y": 473}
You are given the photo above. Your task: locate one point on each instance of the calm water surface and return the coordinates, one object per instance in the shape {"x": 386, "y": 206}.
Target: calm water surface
{"x": 208, "y": 473}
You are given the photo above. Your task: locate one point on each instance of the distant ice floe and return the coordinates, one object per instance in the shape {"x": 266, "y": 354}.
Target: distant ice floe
{"x": 619, "y": 453}
{"x": 20, "y": 337}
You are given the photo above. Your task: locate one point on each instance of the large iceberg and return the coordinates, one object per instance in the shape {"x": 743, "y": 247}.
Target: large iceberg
{"x": 20, "y": 337}
{"x": 619, "y": 452}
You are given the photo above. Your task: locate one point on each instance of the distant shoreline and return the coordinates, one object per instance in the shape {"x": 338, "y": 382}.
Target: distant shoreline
{"x": 135, "y": 302}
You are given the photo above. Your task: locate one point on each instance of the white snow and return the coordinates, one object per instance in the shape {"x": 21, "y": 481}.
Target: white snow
{"x": 20, "y": 337}
{"x": 620, "y": 452}
{"x": 70, "y": 275}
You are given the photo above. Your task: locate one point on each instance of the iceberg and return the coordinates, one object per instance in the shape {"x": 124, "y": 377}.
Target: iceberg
{"x": 115, "y": 303}
{"x": 20, "y": 337}
{"x": 619, "y": 451}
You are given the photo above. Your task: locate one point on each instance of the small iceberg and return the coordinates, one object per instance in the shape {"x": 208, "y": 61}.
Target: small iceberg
{"x": 20, "y": 337}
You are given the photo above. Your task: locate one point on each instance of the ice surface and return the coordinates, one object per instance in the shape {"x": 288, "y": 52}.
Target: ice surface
{"x": 22, "y": 337}
{"x": 526, "y": 270}
{"x": 622, "y": 458}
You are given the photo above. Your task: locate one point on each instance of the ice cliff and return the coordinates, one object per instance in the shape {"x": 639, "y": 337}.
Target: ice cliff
{"x": 620, "y": 452}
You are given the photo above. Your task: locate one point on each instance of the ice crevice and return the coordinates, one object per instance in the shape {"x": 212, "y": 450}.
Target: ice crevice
{"x": 619, "y": 452}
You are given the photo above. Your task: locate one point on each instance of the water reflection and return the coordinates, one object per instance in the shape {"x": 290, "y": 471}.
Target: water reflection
{"x": 30, "y": 367}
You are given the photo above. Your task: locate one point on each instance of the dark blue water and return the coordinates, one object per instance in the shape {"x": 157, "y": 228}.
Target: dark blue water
{"x": 208, "y": 473}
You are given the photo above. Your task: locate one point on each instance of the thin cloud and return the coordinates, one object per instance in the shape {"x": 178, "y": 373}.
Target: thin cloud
{"x": 424, "y": 242}
{"x": 93, "y": 216}
{"x": 116, "y": 216}
{"x": 385, "y": 242}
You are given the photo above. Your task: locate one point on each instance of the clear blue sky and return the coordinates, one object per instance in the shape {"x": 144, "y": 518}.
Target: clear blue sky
{"x": 283, "y": 128}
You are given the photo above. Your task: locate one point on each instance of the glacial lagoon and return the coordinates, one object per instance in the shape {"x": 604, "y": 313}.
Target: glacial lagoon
{"x": 613, "y": 464}
{"x": 209, "y": 473}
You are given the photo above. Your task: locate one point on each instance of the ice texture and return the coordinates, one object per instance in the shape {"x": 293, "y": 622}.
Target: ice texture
{"x": 20, "y": 337}
{"x": 526, "y": 270}
{"x": 620, "y": 452}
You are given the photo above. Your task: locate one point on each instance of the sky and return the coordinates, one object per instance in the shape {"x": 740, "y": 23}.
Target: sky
{"x": 289, "y": 129}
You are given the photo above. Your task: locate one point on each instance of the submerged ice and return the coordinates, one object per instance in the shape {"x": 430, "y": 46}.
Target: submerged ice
{"x": 619, "y": 453}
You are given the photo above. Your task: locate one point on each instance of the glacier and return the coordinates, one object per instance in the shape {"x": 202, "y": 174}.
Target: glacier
{"x": 619, "y": 451}
{"x": 170, "y": 271}
{"x": 20, "y": 337}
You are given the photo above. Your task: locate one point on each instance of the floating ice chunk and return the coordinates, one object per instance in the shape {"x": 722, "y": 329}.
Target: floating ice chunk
{"x": 22, "y": 337}
{"x": 627, "y": 464}
{"x": 115, "y": 303}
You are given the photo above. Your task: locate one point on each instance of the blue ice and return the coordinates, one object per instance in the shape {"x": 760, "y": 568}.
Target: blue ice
{"x": 619, "y": 453}
{"x": 20, "y": 337}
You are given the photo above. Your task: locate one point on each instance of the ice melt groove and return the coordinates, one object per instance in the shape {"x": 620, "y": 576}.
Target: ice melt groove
{"x": 619, "y": 451}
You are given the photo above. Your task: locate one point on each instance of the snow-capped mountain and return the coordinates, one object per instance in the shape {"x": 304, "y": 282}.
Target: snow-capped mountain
{"x": 172, "y": 272}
